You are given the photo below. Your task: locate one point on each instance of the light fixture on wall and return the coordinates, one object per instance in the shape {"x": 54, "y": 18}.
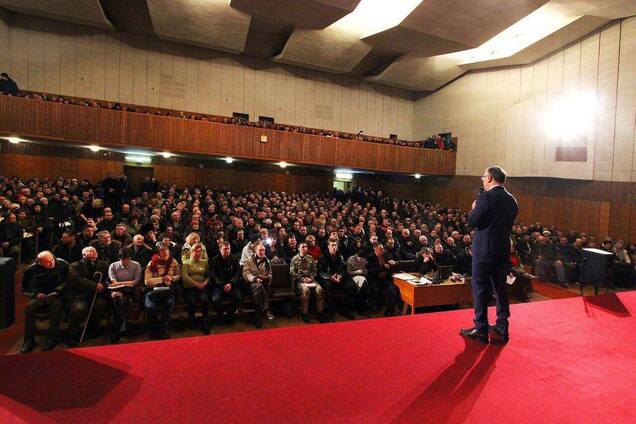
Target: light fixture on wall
{"x": 229, "y": 160}
{"x": 138, "y": 158}
{"x": 283, "y": 164}
{"x": 166, "y": 155}
{"x": 417, "y": 176}
{"x": 344, "y": 174}
{"x": 571, "y": 115}
{"x": 14, "y": 140}
{"x": 94, "y": 148}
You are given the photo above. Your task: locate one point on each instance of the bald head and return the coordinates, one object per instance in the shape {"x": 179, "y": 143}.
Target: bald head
{"x": 46, "y": 259}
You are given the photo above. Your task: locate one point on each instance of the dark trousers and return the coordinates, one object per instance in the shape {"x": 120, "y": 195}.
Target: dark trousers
{"x": 259, "y": 293}
{"x": 54, "y": 307}
{"x": 79, "y": 309}
{"x": 347, "y": 287}
{"x": 120, "y": 306}
{"x": 379, "y": 285}
{"x": 165, "y": 305}
{"x": 218, "y": 296}
{"x": 193, "y": 296}
{"x": 488, "y": 278}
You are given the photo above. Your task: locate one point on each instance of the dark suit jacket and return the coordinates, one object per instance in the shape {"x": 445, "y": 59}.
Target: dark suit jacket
{"x": 492, "y": 218}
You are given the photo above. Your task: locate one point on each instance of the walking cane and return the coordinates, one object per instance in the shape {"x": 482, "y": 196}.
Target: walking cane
{"x": 90, "y": 311}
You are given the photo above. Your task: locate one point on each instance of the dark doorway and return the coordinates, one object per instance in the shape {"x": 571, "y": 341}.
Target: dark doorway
{"x": 136, "y": 175}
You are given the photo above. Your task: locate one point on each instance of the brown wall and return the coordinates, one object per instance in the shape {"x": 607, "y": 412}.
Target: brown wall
{"x": 602, "y": 208}
{"x": 86, "y": 125}
{"x": 31, "y": 160}
{"x": 599, "y": 207}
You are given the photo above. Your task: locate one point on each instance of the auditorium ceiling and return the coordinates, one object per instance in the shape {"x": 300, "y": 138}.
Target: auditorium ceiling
{"x": 419, "y": 45}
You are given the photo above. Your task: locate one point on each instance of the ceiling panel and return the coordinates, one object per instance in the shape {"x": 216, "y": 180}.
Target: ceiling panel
{"x": 419, "y": 73}
{"x": 206, "y": 23}
{"x": 307, "y": 14}
{"x": 83, "y": 12}
{"x": 420, "y": 47}
{"x": 576, "y": 30}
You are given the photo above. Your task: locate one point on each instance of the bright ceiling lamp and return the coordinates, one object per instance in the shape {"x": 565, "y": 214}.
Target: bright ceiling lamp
{"x": 571, "y": 115}
{"x": 166, "y": 155}
{"x": 417, "y": 176}
{"x": 527, "y": 31}
{"x": 283, "y": 164}
{"x": 94, "y": 148}
{"x": 373, "y": 16}
{"x": 229, "y": 160}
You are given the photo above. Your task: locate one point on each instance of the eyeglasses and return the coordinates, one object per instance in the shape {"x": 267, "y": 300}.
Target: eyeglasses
{"x": 483, "y": 177}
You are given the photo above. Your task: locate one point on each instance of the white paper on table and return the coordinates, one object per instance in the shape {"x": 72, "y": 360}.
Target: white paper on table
{"x": 510, "y": 279}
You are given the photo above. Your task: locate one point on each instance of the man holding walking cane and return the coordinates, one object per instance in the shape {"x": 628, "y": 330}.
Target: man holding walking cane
{"x": 85, "y": 281}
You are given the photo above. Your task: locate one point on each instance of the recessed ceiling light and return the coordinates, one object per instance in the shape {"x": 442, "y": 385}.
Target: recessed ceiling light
{"x": 94, "y": 148}
{"x": 283, "y": 164}
{"x": 229, "y": 159}
{"x": 417, "y": 176}
{"x": 166, "y": 155}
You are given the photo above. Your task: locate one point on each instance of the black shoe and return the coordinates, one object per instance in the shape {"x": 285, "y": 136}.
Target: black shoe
{"x": 348, "y": 314}
{"x": 206, "y": 326}
{"x": 475, "y": 334}
{"x": 258, "y": 319}
{"x": 306, "y": 318}
{"x": 192, "y": 324}
{"x": 163, "y": 335}
{"x": 71, "y": 342}
{"x": 50, "y": 343}
{"x": 28, "y": 346}
{"x": 115, "y": 337}
{"x": 323, "y": 318}
{"x": 497, "y": 335}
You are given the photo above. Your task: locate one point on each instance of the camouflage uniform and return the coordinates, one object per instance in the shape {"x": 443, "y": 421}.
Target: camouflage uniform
{"x": 301, "y": 267}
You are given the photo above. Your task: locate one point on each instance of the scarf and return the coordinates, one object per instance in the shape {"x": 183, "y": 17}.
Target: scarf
{"x": 156, "y": 261}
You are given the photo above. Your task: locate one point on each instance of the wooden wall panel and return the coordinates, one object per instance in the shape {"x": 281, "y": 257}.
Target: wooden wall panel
{"x": 599, "y": 208}
{"x": 596, "y": 209}
{"x": 86, "y": 125}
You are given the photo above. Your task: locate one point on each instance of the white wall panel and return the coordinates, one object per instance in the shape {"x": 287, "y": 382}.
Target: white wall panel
{"x": 499, "y": 114}
{"x": 5, "y": 42}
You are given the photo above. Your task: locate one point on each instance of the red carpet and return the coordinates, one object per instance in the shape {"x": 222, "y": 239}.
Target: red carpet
{"x": 569, "y": 361}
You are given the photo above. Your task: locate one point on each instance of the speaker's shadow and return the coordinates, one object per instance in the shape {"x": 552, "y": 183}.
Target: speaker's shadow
{"x": 609, "y": 303}
{"x": 454, "y": 392}
{"x": 64, "y": 385}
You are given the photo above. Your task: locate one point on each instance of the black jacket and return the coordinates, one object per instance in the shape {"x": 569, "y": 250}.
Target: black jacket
{"x": 225, "y": 270}
{"x": 37, "y": 279}
{"x": 142, "y": 256}
{"x": 81, "y": 276}
{"x": 492, "y": 218}
{"x": 329, "y": 265}
{"x": 69, "y": 254}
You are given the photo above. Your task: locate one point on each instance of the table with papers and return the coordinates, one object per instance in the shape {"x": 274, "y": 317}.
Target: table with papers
{"x": 419, "y": 291}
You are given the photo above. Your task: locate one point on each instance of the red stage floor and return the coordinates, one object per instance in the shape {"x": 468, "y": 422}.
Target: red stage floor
{"x": 568, "y": 361}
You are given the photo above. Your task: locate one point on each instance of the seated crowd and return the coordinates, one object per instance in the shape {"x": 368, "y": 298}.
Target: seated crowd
{"x": 9, "y": 87}
{"x": 104, "y": 249}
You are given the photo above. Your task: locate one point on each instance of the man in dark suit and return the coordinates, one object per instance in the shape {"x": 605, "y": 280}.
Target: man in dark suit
{"x": 492, "y": 217}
